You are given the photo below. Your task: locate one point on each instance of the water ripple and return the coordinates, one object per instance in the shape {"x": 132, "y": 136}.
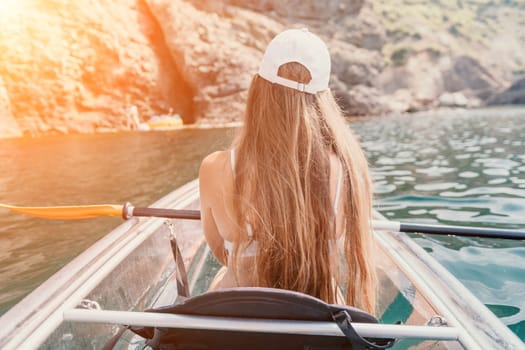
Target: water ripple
{"x": 468, "y": 174}
{"x": 84, "y": 169}
{"x": 491, "y": 274}
{"x": 435, "y": 171}
{"x": 439, "y": 186}
{"x": 459, "y": 169}
{"x": 497, "y": 163}
{"x": 478, "y": 191}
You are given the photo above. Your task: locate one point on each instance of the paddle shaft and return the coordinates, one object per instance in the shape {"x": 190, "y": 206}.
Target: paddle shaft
{"x": 395, "y": 226}
{"x": 127, "y": 211}
{"x": 166, "y": 213}
{"x": 463, "y": 231}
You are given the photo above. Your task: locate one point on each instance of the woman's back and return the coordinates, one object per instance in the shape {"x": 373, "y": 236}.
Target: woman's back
{"x": 272, "y": 201}
{"x": 224, "y": 215}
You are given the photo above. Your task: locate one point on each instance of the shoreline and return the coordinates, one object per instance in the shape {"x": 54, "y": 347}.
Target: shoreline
{"x": 236, "y": 124}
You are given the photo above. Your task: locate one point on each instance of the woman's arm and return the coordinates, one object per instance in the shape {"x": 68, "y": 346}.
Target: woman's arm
{"x": 209, "y": 174}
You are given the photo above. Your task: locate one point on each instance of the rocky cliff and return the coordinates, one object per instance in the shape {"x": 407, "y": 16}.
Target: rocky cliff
{"x": 8, "y": 125}
{"x": 217, "y": 49}
{"x": 75, "y": 66}
{"x": 78, "y": 66}
{"x": 472, "y": 49}
{"x": 515, "y": 94}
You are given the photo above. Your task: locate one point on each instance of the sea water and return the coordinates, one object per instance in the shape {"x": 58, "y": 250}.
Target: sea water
{"x": 458, "y": 167}
{"x": 451, "y": 167}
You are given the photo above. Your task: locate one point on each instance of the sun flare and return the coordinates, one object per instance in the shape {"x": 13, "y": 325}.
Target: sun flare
{"x": 10, "y": 6}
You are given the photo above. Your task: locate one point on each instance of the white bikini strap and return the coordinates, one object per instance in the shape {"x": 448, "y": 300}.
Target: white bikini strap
{"x": 338, "y": 189}
{"x": 232, "y": 159}
{"x": 249, "y": 251}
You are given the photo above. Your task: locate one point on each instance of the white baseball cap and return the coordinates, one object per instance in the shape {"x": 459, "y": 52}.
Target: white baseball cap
{"x": 301, "y": 46}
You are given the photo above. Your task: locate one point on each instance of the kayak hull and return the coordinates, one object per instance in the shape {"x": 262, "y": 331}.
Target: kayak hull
{"x": 132, "y": 269}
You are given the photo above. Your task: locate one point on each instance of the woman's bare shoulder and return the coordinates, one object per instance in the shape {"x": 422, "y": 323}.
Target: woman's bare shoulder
{"x": 215, "y": 168}
{"x": 215, "y": 160}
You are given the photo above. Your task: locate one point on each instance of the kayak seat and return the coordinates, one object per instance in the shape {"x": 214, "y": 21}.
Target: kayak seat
{"x": 262, "y": 303}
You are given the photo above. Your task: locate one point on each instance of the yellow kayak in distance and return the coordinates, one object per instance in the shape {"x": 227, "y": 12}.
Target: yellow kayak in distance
{"x": 162, "y": 122}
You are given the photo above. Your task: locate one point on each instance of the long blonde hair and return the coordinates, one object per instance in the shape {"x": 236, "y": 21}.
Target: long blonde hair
{"x": 282, "y": 184}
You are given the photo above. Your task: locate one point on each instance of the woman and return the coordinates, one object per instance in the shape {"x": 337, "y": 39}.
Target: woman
{"x": 294, "y": 190}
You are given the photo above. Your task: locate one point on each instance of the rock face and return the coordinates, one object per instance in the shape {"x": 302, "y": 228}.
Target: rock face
{"x": 293, "y": 10}
{"x": 363, "y": 29}
{"x": 354, "y": 78}
{"x": 438, "y": 48}
{"x": 354, "y": 36}
{"x": 8, "y": 125}
{"x": 429, "y": 76}
{"x": 237, "y": 36}
{"x": 217, "y": 50}
{"x": 76, "y": 66}
{"x": 455, "y": 99}
{"x": 515, "y": 94}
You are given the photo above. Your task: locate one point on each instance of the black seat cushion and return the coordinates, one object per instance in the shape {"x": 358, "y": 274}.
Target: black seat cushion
{"x": 261, "y": 303}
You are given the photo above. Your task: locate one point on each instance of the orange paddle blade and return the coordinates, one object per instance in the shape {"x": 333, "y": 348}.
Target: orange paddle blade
{"x": 68, "y": 212}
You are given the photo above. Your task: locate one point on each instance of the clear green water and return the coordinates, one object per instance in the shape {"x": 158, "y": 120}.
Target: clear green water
{"x": 459, "y": 168}
{"x": 76, "y": 170}
{"x": 452, "y": 167}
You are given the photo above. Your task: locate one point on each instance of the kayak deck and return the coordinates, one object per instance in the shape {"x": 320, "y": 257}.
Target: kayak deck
{"x": 132, "y": 269}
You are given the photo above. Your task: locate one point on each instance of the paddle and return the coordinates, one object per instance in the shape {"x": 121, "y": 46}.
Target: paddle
{"x": 127, "y": 211}
{"x": 90, "y": 211}
{"x": 465, "y": 231}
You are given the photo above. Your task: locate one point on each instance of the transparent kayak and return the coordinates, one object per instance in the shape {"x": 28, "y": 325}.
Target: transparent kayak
{"x": 132, "y": 269}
